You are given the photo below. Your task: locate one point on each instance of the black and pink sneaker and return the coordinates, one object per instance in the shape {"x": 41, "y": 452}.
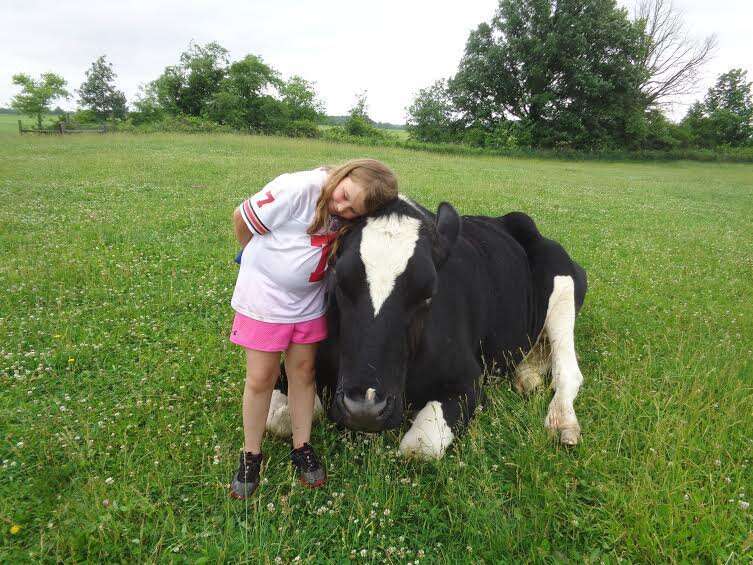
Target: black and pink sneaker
{"x": 306, "y": 463}
{"x": 247, "y": 478}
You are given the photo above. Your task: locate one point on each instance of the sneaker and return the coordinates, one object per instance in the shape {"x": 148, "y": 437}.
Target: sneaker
{"x": 310, "y": 471}
{"x": 247, "y": 478}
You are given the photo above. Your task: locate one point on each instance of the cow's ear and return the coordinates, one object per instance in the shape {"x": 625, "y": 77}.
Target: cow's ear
{"x": 448, "y": 224}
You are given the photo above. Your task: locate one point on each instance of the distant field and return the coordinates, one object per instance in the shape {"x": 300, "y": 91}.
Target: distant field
{"x": 9, "y": 122}
{"x": 120, "y": 394}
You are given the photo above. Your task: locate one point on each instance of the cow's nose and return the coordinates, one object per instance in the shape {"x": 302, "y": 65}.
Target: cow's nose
{"x": 366, "y": 412}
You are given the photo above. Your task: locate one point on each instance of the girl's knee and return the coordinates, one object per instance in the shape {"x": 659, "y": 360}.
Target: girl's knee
{"x": 302, "y": 370}
{"x": 261, "y": 382}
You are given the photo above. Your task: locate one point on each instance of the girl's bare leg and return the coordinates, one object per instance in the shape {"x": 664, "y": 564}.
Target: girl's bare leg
{"x": 262, "y": 371}
{"x": 299, "y": 367}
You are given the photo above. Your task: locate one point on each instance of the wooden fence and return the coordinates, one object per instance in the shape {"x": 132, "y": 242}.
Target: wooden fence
{"x": 62, "y": 129}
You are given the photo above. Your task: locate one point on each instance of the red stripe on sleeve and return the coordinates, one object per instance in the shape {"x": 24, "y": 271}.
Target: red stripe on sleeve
{"x": 253, "y": 218}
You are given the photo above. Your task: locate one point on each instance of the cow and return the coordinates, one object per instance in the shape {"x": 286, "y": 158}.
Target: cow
{"x": 421, "y": 303}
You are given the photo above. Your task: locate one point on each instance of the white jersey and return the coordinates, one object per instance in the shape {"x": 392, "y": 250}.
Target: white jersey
{"x": 282, "y": 267}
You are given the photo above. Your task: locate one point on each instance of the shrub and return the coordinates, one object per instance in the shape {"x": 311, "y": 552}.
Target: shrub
{"x": 180, "y": 123}
{"x": 302, "y": 128}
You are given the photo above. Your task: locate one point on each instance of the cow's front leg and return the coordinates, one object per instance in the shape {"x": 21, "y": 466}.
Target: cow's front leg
{"x": 432, "y": 430}
{"x": 566, "y": 375}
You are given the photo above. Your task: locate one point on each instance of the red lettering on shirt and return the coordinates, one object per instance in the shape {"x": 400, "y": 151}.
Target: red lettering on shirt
{"x": 268, "y": 200}
{"x": 325, "y": 242}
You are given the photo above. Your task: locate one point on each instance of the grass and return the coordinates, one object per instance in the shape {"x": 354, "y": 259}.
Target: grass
{"x": 120, "y": 394}
{"x": 9, "y": 122}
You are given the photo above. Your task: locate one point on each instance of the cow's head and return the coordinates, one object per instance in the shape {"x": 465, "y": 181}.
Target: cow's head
{"x": 381, "y": 288}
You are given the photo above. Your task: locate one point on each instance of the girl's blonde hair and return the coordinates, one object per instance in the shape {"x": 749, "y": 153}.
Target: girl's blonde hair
{"x": 379, "y": 184}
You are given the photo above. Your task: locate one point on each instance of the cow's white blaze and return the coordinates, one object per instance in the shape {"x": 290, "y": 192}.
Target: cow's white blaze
{"x": 566, "y": 375}
{"x": 429, "y": 436}
{"x": 387, "y": 243}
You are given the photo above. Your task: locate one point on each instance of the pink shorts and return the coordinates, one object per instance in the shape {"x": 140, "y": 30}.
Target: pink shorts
{"x": 266, "y": 336}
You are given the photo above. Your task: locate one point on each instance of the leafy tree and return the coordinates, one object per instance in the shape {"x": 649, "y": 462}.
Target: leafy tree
{"x": 98, "y": 93}
{"x": 148, "y": 108}
{"x": 35, "y": 98}
{"x": 564, "y": 69}
{"x": 358, "y": 122}
{"x": 244, "y": 97}
{"x": 188, "y": 87}
{"x": 299, "y": 95}
{"x": 430, "y": 117}
{"x": 726, "y": 114}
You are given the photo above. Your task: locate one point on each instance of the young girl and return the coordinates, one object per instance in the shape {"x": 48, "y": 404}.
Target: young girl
{"x": 279, "y": 296}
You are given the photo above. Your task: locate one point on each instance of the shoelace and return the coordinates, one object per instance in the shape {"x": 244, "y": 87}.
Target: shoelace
{"x": 250, "y": 466}
{"x": 305, "y": 457}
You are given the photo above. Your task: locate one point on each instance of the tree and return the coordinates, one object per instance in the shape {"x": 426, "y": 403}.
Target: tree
{"x": 299, "y": 95}
{"x": 671, "y": 59}
{"x": 358, "y": 122}
{"x": 98, "y": 93}
{"x": 430, "y": 117}
{"x": 188, "y": 87}
{"x": 564, "y": 69}
{"x": 726, "y": 114}
{"x": 35, "y": 98}
{"x": 244, "y": 98}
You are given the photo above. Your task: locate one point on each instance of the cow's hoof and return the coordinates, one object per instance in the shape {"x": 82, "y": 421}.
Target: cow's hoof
{"x": 563, "y": 423}
{"x": 429, "y": 436}
{"x": 278, "y": 418}
{"x": 570, "y": 436}
{"x": 527, "y": 380}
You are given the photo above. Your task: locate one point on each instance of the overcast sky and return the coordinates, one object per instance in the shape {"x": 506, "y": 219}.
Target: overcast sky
{"x": 389, "y": 48}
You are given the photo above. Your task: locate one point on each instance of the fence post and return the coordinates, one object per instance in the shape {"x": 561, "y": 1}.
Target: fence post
{"x": 20, "y": 129}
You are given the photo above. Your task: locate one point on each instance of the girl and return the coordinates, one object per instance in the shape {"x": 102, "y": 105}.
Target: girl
{"x": 279, "y": 297}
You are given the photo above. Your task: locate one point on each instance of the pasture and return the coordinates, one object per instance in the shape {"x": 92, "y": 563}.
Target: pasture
{"x": 120, "y": 394}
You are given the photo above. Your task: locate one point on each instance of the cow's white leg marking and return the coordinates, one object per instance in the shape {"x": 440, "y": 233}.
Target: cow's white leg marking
{"x": 530, "y": 373}
{"x": 566, "y": 375}
{"x": 429, "y": 436}
{"x": 387, "y": 243}
{"x": 278, "y": 417}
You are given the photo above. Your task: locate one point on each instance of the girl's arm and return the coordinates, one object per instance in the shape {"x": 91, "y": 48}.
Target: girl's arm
{"x": 242, "y": 233}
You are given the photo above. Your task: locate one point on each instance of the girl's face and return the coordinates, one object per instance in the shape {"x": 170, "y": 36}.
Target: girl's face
{"x": 347, "y": 200}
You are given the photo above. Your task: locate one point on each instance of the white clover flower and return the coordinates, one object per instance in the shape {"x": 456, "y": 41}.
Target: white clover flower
{"x": 271, "y": 507}
{"x": 109, "y": 480}
{"x": 743, "y": 504}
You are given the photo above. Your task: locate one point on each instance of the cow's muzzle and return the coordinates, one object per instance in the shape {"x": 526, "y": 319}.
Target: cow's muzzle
{"x": 365, "y": 413}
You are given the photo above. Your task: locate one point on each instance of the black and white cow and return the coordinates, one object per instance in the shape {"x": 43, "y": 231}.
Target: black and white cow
{"x": 421, "y": 303}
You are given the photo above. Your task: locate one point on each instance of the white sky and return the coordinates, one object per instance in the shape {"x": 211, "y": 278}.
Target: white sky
{"x": 389, "y": 48}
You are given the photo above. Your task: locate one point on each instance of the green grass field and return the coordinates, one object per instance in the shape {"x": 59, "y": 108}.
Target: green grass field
{"x": 9, "y": 122}
{"x": 120, "y": 394}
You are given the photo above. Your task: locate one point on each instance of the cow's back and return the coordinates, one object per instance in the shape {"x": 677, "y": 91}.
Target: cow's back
{"x": 485, "y": 304}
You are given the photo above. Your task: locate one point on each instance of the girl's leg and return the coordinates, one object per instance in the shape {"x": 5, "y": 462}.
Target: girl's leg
{"x": 299, "y": 366}
{"x": 262, "y": 372}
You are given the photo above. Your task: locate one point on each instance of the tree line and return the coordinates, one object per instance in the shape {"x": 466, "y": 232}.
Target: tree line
{"x": 582, "y": 74}
{"x": 576, "y": 74}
